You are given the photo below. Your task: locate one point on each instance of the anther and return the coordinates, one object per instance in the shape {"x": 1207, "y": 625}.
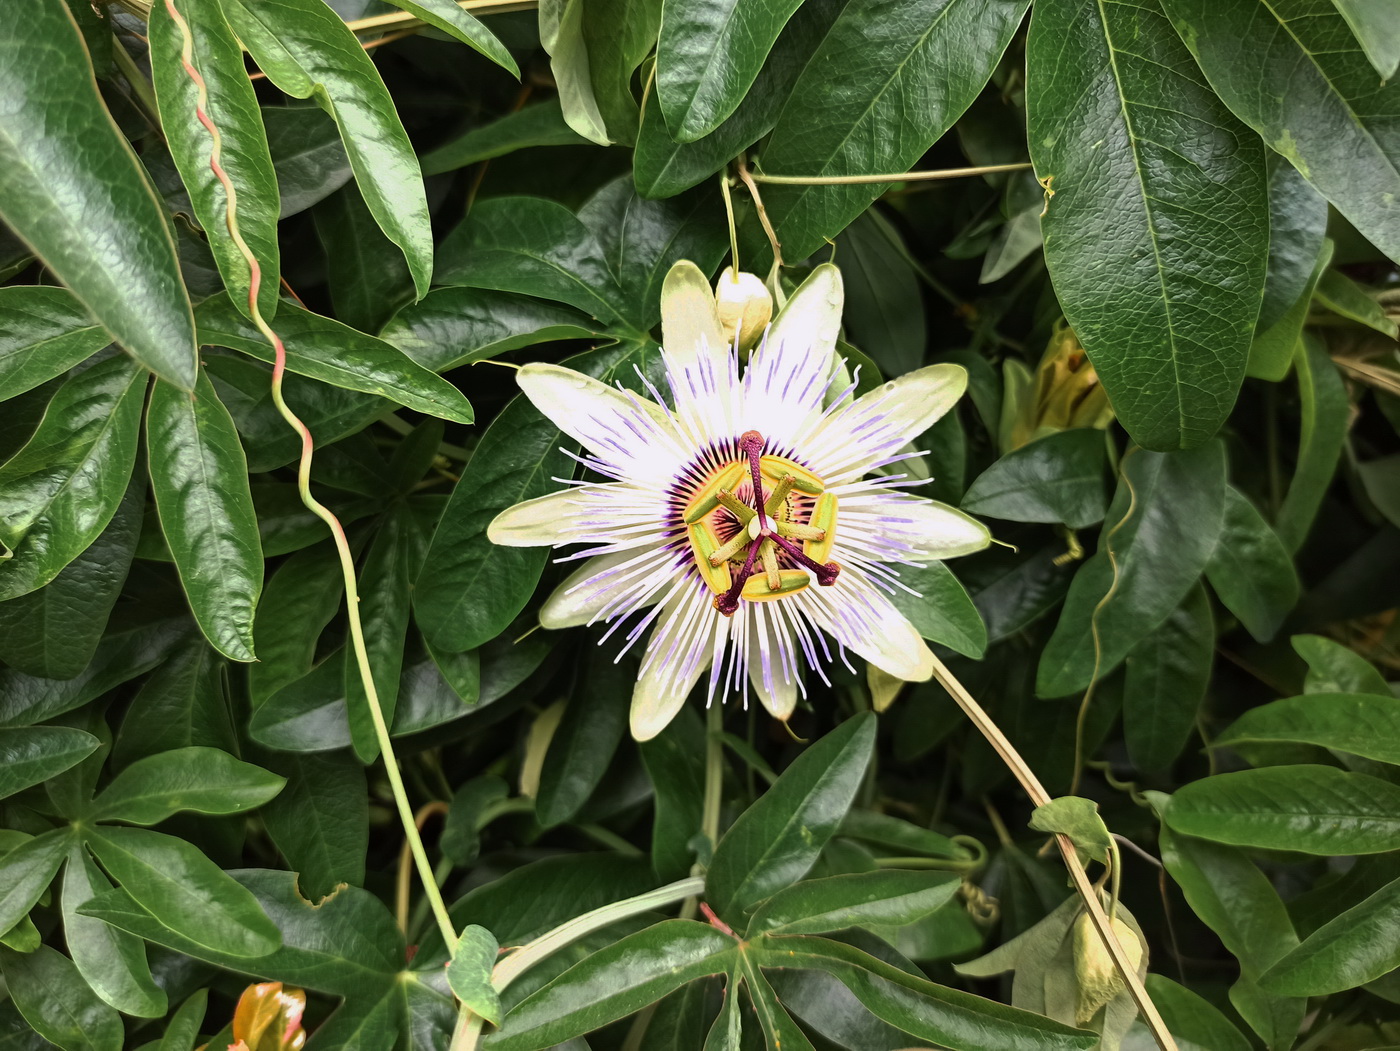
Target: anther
{"x": 826, "y": 573}
{"x": 728, "y": 603}
{"x": 769, "y": 554}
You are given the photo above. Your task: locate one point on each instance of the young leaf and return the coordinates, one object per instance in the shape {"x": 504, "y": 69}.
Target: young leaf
{"x": 44, "y": 332}
{"x": 1057, "y": 478}
{"x": 469, "y": 973}
{"x": 204, "y": 780}
{"x": 1079, "y": 819}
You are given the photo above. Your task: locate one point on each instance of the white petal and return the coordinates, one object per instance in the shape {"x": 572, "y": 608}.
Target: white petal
{"x": 690, "y": 327}
{"x": 772, "y": 668}
{"x": 677, "y": 653}
{"x": 541, "y": 522}
{"x": 586, "y": 591}
{"x": 867, "y": 624}
{"x": 873, "y": 430}
{"x": 811, "y": 318}
{"x": 902, "y": 528}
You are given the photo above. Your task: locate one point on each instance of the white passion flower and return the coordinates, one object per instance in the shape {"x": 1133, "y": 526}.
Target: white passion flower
{"x": 736, "y": 519}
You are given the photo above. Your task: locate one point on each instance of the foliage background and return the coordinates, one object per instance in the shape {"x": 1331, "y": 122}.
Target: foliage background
{"x": 1193, "y": 624}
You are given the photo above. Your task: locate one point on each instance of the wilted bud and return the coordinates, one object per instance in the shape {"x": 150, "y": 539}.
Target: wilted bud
{"x": 1066, "y": 394}
{"x": 268, "y": 1018}
{"x": 1094, "y": 972}
{"x": 745, "y": 306}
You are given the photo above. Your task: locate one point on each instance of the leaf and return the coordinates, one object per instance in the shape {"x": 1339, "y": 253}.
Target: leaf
{"x": 205, "y": 780}
{"x": 183, "y": 1031}
{"x": 921, "y": 65}
{"x": 1356, "y": 947}
{"x": 1168, "y": 673}
{"x": 1345, "y": 298}
{"x": 1161, "y": 529}
{"x": 708, "y": 56}
{"x": 32, "y": 754}
{"x": 941, "y": 611}
{"x": 619, "y": 35}
{"x": 27, "y": 871}
{"x": 562, "y": 36}
{"x": 54, "y": 631}
{"x": 675, "y": 767}
{"x": 229, "y": 102}
{"x": 44, "y": 332}
{"x": 614, "y": 982}
{"x": 308, "y": 52}
{"x": 855, "y": 900}
{"x": 1309, "y": 809}
{"x": 884, "y": 304}
{"x": 581, "y": 751}
{"x": 471, "y": 589}
{"x": 308, "y": 714}
{"x": 779, "y": 1029}
{"x": 1078, "y": 818}
{"x": 469, "y": 973}
{"x": 1057, "y": 478}
{"x": 1251, "y": 571}
{"x": 461, "y": 25}
{"x": 307, "y": 153}
{"x": 776, "y": 841}
{"x": 1296, "y": 75}
{"x": 1324, "y": 426}
{"x": 539, "y": 124}
{"x": 898, "y": 836}
{"x": 182, "y": 703}
{"x": 1157, "y": 233}
{"x": 1297, "y": 234}
{"x": 1358, "y": 724}
{"x": 1195, "y": 1022}
{"x": 1376, "y": 31}
{"x": 532, "y": 246}
{"x": 302, "y": 597}
{"x": 199, "y": 478}
{"x": 320, "y": 820}
{"x": 185, "y": 891}
{"x": 1332, "y": 668}
{"x": 73, "y": 189}
{"x": 336, "y": 354}
{"x": 59, "y": 492}
{"x": 366, "y": 282}
{"x": 55, "y": 1000}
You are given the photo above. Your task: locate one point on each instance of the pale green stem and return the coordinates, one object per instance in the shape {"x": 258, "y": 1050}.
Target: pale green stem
{"x": 860, "y": 180}
{"x": 714, "y": 772}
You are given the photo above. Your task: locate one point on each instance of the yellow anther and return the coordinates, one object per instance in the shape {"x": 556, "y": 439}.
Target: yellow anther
{"x": 756, "y": 588}
{"x": 823, "y": 520}
{"x": 708, "y": 498}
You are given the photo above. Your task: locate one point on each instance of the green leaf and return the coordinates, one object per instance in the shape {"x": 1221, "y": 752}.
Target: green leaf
{"x": 1325, "y": 411}
{"x": 949, "y": 1017}
{"x": 1272, "y": 352}
{"x": 708, "y": 56}
{"x": 1373, "y": 24}
{"x": 562, "y": 36}
{"x": 31, "y": 754}
{"x": 469, "y": 973}
{"x": 897, "y": 836}
{"x": 1358, "y": 724}
{"x": 231, "y": 105}
{"x": 333, "y": 353}
{"x": 54, "y": 631}
{"x": 301, "y": 599}
{"x": 59, "y": 492}
{"x": 320, "y": 820}
{"x": 941, "y": 611}
{"x": 111, "y": 961}
{"x": 182, "y": 1033}
{"x": 1345, "y": 298}
{"x": 307, "y": 153}
{"x": 675, "y": 767}
{"x": 1057, "y": 478}
{"x": 26, "y": 872}
{"x": 884, "y": 304}
{"x": 1297, "y": 235}
{"x": 581, "y": 751}
{"x": 1157, "y": 235}
{"x": 308, "y": 714}
{"x": 471, "y": 589}
{"x": 182, "y": 703}
{"x": 532, "y": 246}
{"x": 614, "y": 982}
{"x": 1195, "y": 1022}
{"x": 1251, "y": 571}
{"x": 461, "y": 25}
{"x": 619, "y": 36}
{"x": 855, "y": 900}
{"x": 776, "y": 841}
{"x": 199, "y": 478}
{"x": 1078, "y": 818}
{"x": 921, "y": 65}
{"x": 367, "y": 283}
{"x": 1168, "y": 672}
{"x": 1310, "y": 809}
{"x": 308, "y": 52}
{"x": 1161, "y": 529}
{"x": 204, "y": 780}
{"x": 54, "y": 999}
{"x": 779, "y": 1029}
{"x": 1356, "y": 947}
{"x": 539, "y": 124}
{"x": 185, "y": 891}
{"x": 73, "y": 189}
{"x": 44, "y": 332}
{"x": 1332, "y": 668}
{"x": 1295, "y": 74}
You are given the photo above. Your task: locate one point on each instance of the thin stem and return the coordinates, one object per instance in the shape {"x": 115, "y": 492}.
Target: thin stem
{"x": 476, "y": 7}
{"x": 1039, "y": 796}
{"x": 342, "y": 545}
{"x": 714, "y": 772}
{"x": 860, "y": 180}
{"x": 729, "y": 215}
{"x": 437, "y": 806}
{"x": 748, "y": 179}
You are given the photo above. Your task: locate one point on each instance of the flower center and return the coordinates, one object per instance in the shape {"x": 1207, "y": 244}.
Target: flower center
{"x": 759, "y": 525}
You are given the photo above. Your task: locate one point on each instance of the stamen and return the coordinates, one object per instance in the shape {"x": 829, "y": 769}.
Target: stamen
{"x": 737, "y": 507}
{"x": 826, "y": 574}
{"x": 729, "y": 548}
{"x": 779, "y": 495}
{"x": 798, "y": 531}
{"x": 769, "y": 554}
{"x": 728, "y": 603}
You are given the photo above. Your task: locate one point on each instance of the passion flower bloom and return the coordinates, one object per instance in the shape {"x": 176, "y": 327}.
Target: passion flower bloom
{"x": 738, "y": 518}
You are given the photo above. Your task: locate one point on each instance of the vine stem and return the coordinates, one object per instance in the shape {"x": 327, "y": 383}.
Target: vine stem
{"x": 342, "y": 545}
{"x": 861, "y": 180}
{"x": 1036, "y": 791}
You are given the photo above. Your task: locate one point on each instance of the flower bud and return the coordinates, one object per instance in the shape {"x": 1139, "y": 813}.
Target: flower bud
{"x": 1098, "y": 979}
{"x": 1067, "y": 393}
{"x": 745, "y": 307}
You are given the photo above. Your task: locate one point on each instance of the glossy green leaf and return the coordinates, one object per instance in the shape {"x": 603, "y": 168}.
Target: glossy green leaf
{"x": 707, "y": 58}
{"x": 230, "y": 103}
{"x": 307, "y": 51}
{"x": 44, "y": 332}
{"x": 366, "y": 282}
{"x": 26, "y": 872}
{"x": 921, "y": 65}
{"x": 1193, "y": 1020}
{"x": 183, "y": 1031}
{"x": 532, "y": 246}
{"x": 74, "y": 190}
{"x": 199, "y": 478}
{"x": 1373, "y": 23}
{"x": 59, "y": 492}
{"x": 619, "y": 36}
{"x": 182, "y": 703}
{"x": 185, "y": 890}
{"x": 1168, "y": 672}
{"x": 1057, "y": 478}
{"x": 461, "y": 25}
{"x": 205, "y": 780}
{"x": 1324, "y": 424}
{"x": 307, "y": 153}
{"x": 333, "y": 353}
{"x": 1295, "y": 74}
{"x": 779, "y": 1029}
{"x": 1297, "y": 234}
{"x": 539, "y": 124}
{"x": 897, "y": 836}
{"x": 308, "y": 714}
{"x": 320, "y": 819}
{"x": 1310, "y": 809}
{"x": 1157, "y": 235}
{"x": 1162, "y": 527}
{"x": 676, "y": 769}
{"x": 856, "y": 900}
{"x": 54, "y": 999}
{"x": 111, "y": 961}
{"x": 1359, "y": 724}
{"x": 469, "y": 973}
{"x": 941, "y": 612}
{"x": 614, "y": 982}
{"x": 884, "y": 305}
{"x": 1356, "y": 947}
{"x": 581, "y": 751}
{"x": 54, "y": 631}
{"x": 32, "y": 754}
{"x": 776, "y": 841}
{"x": 470, "y": 589}
{"x": 562, "y": 36}
{"x": 1251, "y": 571}
{"x": 301, "y": 599}
{"x": 1332, "y": 668}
